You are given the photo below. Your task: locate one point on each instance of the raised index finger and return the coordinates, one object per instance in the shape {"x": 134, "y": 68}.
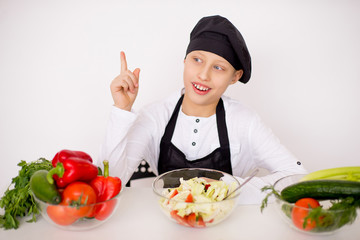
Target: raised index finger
{"x": 123, "y": 61}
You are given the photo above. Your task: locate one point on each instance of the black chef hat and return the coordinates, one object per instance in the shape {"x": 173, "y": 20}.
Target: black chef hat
{"x": 218, "y": 35}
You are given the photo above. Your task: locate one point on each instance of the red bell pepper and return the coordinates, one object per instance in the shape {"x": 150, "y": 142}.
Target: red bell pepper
{"x": 65, "y": 154}
{"x": 106, "y": 188}
{"x": 70, "y": 167}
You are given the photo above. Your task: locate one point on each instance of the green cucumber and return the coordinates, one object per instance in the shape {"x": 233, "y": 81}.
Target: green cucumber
{"x": 42, "y": 189}
{"x": 325, "y": 189}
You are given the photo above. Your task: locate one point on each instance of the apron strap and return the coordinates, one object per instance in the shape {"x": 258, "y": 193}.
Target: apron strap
{"x": 169, "y": 130}
{"x": 221, "y": 125}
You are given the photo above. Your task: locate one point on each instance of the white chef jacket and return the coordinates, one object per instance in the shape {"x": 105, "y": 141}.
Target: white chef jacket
{"x": 133, "y": 137}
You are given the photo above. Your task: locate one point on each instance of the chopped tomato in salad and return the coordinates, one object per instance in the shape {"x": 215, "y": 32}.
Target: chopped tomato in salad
{"x": 196, "y": 202}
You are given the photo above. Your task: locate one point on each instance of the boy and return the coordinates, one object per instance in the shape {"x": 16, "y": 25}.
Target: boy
{"x": 180, "y": 131}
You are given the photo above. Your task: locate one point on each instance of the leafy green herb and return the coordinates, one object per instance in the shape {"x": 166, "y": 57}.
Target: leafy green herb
{"x": 272, "y": 192}
{"x": 18, "y": 202}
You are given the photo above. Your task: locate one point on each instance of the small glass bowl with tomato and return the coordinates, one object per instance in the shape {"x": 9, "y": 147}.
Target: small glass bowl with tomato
{"x": 309, "y": 215}
{"x": 187, "y": 201}
{"x": 79, "y": 208}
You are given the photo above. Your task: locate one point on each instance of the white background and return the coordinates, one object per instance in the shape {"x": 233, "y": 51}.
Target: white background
{"x": 57, "y": 59}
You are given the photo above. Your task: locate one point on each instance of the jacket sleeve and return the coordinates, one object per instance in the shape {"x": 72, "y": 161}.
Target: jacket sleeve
{"x": 266, "y": 152}
{"x": 113, "y": 147}
{"x": 130, "y": 138}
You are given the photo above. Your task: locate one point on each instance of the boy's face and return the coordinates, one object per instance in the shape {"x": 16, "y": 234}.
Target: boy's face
{"x": 206, "y": 77}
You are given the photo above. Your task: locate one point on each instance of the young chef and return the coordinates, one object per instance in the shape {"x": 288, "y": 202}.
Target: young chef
{"x": 180, "y": 131}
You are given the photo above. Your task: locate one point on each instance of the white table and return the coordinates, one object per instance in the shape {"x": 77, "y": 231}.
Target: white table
{"x": 138, "y": 217}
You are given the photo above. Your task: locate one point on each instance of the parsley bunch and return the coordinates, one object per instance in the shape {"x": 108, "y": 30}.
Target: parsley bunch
{"x": 18, "y": 202}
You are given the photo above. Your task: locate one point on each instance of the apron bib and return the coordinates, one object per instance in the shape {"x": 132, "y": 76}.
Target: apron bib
{"x": 172, "y": 158}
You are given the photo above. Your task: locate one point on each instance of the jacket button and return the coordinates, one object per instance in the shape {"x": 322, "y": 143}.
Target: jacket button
{"x": 197, "y": 120}
{"x": 195, "y": 130}
{"x": 193, "y": 143}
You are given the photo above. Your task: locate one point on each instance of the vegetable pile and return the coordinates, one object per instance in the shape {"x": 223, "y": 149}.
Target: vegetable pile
{"x": 196, "y": 202}
{"x": 303, "y": 201}
{"x": 70, "y": 184}
{"x": 18, "y": 201}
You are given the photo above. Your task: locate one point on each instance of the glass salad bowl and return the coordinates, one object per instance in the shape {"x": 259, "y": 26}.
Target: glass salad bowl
{"x": 327, "y": 217}
{"x": 194, "y": 197}
{"x": 78, "y": 218}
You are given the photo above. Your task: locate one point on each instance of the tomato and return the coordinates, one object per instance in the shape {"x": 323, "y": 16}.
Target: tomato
{"x": 195, "y": 221}
{"x": 179, "y": 219}
{"x": 70, "y": 209}
{"x": 189, "y": 198}
{"x": 174, "y": 193}
{"x": 77, "y": 195}
{"x": 59, "y": 214}
{"x": 300, "y": 212}
{"x": 201, "y": 222}
{"x": 191, "y": 219}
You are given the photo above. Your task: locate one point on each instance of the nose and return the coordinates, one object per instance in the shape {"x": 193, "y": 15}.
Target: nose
{"x": 204, "y": 73}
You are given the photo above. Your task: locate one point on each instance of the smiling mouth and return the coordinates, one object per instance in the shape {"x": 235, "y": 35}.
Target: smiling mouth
{"x": 201, "y": 88}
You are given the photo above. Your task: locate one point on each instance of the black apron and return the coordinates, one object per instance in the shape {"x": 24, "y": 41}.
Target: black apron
{"x": 172, "y": 158}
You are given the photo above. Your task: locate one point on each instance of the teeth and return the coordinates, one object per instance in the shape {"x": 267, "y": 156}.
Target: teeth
{"x": 201, "y": 88}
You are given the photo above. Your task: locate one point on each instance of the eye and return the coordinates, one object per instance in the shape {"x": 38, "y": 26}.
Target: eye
{"x": 197, "y": 60}
{"x": 217, "y": 67}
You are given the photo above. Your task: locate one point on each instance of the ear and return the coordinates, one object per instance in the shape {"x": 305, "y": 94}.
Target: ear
{"x": 237, "y": 75}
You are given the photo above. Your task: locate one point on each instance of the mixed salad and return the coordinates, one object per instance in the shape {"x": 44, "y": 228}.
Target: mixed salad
{"x": 197, "y": 202}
